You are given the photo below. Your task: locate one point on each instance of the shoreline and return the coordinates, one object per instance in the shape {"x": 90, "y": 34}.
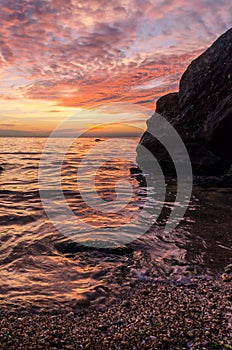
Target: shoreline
{"x": 148, "y": 315}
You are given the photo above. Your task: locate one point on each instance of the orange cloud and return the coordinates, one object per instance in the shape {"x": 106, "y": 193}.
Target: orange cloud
{"x": 85, "y": 53}
{"x": 126, "y": 85}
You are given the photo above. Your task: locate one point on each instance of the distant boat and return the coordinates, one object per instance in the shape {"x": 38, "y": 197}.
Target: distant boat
{"x": 98, "y": 140}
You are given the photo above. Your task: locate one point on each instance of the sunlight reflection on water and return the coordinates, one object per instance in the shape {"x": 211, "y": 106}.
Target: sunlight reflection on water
{"x": 39, "y": 264}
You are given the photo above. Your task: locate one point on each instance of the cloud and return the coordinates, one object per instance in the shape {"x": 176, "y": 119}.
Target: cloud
{"x": 84, "y": 53}
{"x": 54, "y": 111}
{"x": 7, "y": 125}
{"x": 145, "y": 82}
{"x": 151, "y": 84}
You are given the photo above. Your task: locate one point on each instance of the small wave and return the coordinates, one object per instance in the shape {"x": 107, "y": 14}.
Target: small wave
{"x": 17, "y": 219}
{"x": 18, "y": 153}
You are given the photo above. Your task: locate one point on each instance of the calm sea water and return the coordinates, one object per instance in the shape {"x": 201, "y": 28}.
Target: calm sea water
{"x": 41, "y": 266}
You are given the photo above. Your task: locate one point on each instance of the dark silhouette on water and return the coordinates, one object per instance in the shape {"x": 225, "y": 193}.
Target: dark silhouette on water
{"x": 98, "y": 140}
{"x": 135, "y": 171}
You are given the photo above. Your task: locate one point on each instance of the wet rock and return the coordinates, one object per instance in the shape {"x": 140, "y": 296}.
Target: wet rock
{"x": 73, "y": 248}
{"x": 201, "y": 112}
{"x": 222, "y": 181}
{"x": 204, "y": 162}
{"x": 135, "y": 171}
{"x": 138, "y": 174}
{"x": 69, "y": 247}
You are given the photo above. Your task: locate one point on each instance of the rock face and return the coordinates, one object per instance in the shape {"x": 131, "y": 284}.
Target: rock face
{"x": 169, "y": 107}
{"x": 201, "y": 112}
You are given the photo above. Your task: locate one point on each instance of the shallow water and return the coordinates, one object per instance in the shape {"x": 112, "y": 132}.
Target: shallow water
{"x": 40, "y": 265}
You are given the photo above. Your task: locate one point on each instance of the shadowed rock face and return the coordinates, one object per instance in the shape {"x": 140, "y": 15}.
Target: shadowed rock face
{"x": 169, "y": 107}
{"x": 201, "y": 112}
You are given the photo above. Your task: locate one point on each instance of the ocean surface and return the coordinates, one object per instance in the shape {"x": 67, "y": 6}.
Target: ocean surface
{"x": 42, "y": 267}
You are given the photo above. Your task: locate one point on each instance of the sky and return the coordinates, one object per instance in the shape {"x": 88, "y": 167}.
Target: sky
{"x": 58, "y": 58}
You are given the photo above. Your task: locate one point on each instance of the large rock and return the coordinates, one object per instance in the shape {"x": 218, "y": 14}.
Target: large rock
{"x": 205, "y": 97}
{"x": 169, "y": 107}
{"x": 201, "y": 112}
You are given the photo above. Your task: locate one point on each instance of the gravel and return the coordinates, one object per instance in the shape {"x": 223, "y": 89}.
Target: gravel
{"x": 195, "y": 315}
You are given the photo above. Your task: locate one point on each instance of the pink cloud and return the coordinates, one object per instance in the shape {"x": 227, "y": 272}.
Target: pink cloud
{"x": 86, "y": 52}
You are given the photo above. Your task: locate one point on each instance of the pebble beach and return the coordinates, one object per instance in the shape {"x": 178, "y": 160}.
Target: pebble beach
{"x": 196, "y": 315}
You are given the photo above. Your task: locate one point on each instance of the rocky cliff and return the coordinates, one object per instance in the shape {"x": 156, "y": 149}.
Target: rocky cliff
{"x": 201, "y": 112}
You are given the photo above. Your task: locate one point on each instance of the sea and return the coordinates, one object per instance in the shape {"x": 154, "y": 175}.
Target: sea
{"x": 52, "y": 258}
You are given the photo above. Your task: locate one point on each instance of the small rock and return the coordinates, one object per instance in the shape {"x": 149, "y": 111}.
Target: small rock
{"x": 103, "y": 327}
{"x": 228, "y": 268}
{"x": 126, "y": 303}
{"x": 226, "y": 277}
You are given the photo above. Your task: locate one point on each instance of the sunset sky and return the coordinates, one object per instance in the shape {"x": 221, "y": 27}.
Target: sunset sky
{"x": 59, "y": 57}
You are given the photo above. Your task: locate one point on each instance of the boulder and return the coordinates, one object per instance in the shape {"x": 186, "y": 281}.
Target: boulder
{"x": 201, "y": 112}
{"x": 205, "y": 97}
